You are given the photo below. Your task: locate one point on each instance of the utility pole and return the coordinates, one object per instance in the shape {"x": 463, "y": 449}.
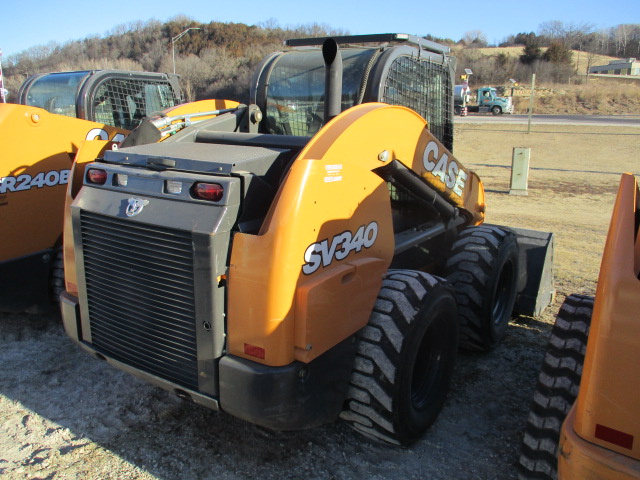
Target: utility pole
{"x": 173, "y": 44}
{"x": 533, "y": 89}
{"x": 2, "y": 91}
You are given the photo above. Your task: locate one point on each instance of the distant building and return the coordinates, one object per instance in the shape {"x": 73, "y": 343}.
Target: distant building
{"x": 628, "y": 66}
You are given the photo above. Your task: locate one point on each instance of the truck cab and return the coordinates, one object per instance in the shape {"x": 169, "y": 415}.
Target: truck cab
{"x": 488, "y": 100}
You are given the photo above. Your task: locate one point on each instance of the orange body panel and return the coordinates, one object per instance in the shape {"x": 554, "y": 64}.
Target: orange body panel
{"x": 434, "y": 163}
{"x": 607, "y": 411}
{"x": 582, "y": 460}
{"x": 199, "y": 107}
{"x": 38, "y": 149}
{"x": 88, "y": 152}
{"x": 312, "y": 275}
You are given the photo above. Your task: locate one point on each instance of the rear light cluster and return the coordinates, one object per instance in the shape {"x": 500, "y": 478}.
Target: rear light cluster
{"x": 96, "y": 176}
{"x": 212, "y": 192}
{"x": 208, "y": 191}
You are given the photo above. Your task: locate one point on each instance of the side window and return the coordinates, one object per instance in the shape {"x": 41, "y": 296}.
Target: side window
{"x": 295, "y": 94}
{"x": 55, "y": 92}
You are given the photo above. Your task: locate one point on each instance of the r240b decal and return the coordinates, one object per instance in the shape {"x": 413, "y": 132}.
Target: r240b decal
{"x": 25, "y": 181}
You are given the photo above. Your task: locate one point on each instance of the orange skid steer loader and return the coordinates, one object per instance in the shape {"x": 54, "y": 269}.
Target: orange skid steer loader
{"x": 585, "y": 418}
{"x": 317, "y": 254}
{"x": 39, "y": 140}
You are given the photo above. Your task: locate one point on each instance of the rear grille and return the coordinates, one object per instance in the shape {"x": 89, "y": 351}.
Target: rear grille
{"x": 141, "y": 296}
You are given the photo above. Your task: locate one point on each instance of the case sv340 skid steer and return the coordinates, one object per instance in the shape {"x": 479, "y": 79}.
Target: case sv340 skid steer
{"x": 317, "y": 254}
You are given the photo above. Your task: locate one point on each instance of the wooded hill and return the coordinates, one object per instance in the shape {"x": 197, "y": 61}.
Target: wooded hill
{"x": 218, "y": 59}
{"x": 215, "y": 61}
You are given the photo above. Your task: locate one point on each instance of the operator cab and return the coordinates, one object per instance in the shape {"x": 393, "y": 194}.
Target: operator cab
{"x": 116, "y": 98}
{"x": 401, "y": 69}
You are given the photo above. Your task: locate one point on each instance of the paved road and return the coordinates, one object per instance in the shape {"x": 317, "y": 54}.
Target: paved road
{"x": 602, "y": 120}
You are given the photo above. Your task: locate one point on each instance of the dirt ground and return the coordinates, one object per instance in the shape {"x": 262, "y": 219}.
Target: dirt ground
{"x": 66, "y": 415}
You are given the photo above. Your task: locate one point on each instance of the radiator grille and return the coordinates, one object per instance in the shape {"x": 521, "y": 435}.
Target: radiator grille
{"x": 141, "y": 296}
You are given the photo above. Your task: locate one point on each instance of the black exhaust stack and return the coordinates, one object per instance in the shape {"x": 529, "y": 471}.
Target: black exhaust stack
{"x": 332, "y": 79}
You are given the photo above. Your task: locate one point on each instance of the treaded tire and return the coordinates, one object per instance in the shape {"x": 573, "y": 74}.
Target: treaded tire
{"x": 496, "y": 110}
{"x": 556, "y": 390}
{"x": 57, "y": 277}
{"x": 483, "y": 269}
{"x": 404, "y": 360}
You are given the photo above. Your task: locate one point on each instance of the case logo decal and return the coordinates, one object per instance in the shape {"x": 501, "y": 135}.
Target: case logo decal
{"x": 447, "y": 171}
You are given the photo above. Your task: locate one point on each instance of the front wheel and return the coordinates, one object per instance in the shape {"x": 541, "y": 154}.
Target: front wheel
{"x": 405, "y": 359}
{"x": 483, "y": 269}
{"x": 496, "y": 110}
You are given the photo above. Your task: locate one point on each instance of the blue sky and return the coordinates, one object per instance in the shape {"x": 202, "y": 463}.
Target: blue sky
{"x": 30, "y": 23}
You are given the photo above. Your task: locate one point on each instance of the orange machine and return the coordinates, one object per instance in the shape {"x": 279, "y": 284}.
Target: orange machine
{"x": 600, "y": 437}
{"x": 317, "y": 254}
{"x": 40, "y": 138}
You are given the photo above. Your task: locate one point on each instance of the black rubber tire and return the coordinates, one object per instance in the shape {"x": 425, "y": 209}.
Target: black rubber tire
{"x": 405, "y": 359}
{"x": 496, "y": 110}
{"x": 483, "y": 269}
{"x": 457, "y": 110}
{"x": 556, "y": 390}
{"x": 57, "y": 277}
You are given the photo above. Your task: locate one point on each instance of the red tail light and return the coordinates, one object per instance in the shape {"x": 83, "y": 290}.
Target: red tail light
{"x": 208, "y": 191}
{"x": 254, "y": 351}
{"x": 97, "y": 176}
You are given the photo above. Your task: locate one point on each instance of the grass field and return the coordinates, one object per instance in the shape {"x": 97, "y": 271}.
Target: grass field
{"x": 573, "y": 179}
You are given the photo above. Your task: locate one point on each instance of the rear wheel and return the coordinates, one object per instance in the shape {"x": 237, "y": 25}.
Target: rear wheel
{"x": 405, "y": 359}
{"x": 556, "y": 390}
{"x": 57, "y": 276}
{"x": 483, "y": 269}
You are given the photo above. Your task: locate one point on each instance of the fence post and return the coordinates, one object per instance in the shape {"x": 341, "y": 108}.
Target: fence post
{"x": 533, "y": 89}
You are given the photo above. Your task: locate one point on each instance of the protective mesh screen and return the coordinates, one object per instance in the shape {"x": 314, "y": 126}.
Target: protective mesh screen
{"x": 425, "y": 87}
{"x": 123, "y": 103}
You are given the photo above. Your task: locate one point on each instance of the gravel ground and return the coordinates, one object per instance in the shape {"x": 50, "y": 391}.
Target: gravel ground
{"x": 66, "y": 415}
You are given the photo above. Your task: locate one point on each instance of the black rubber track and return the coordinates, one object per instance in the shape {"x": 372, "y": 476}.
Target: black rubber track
{"x": 405, "y": 359}
{"x": 483, "y": 269}
{"x": 556, "y": 390}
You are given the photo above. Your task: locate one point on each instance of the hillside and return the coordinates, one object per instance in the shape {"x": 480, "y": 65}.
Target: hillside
{"x": 582, "y": 95}
{"x": 580, "y": 59}
{"x": 218, "y": 60}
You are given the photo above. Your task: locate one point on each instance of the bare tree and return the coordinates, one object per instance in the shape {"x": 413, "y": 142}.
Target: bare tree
{"x": 570, "y": 34}
{"x": 475, "y": 38}
{"x": 621, "y": 36}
